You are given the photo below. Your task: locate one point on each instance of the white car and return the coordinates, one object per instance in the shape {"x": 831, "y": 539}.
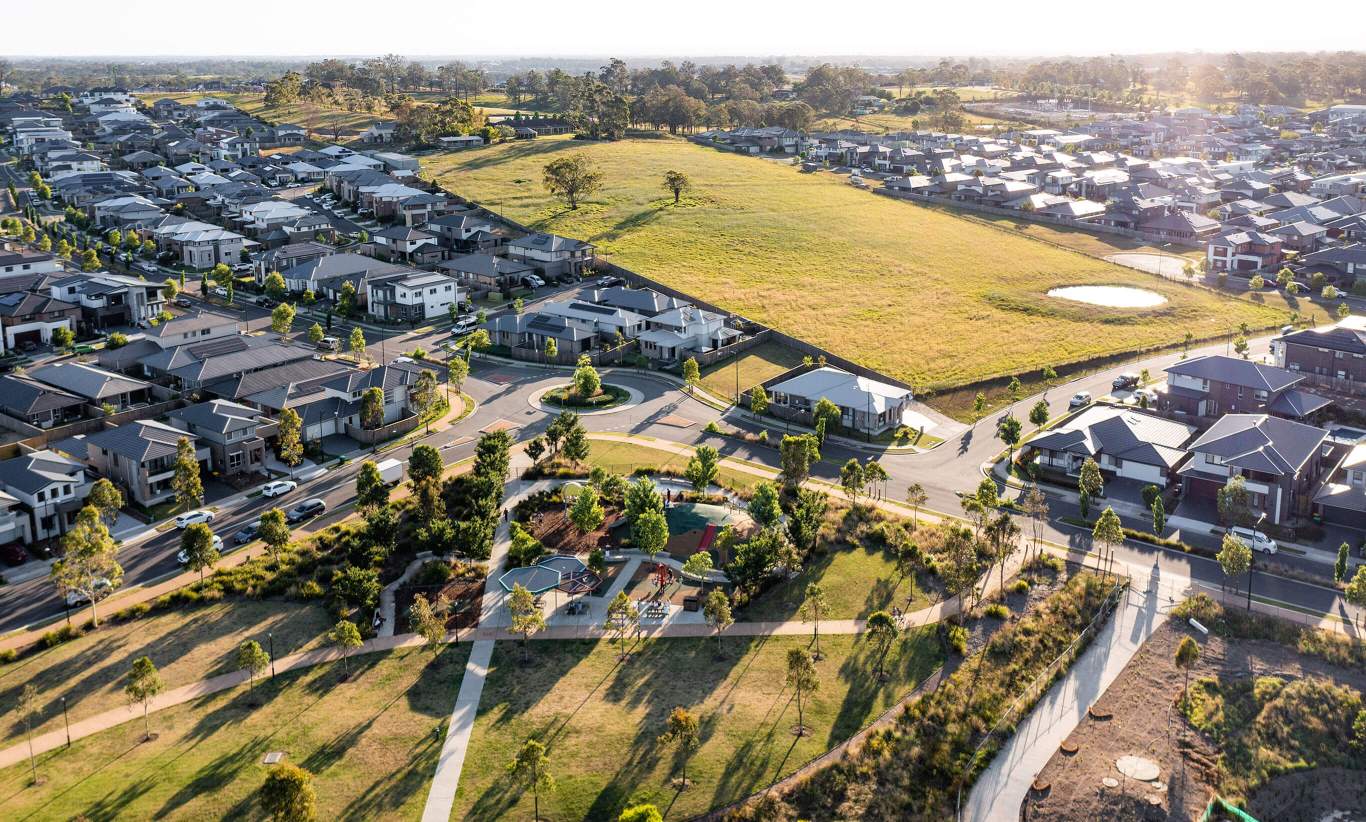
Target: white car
{"x": 1255, "y": 540}
{"x": 189, "y": 518}
{"x": 184, "y": 558}
{"x": 74, "y": 598}
{"x": 403, "y": 361}
{"x": 278, "y": 488}
{"x": 1079, "y": 399}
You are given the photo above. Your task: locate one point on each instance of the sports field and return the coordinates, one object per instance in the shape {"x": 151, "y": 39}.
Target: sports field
{"x": 917, "y": 292}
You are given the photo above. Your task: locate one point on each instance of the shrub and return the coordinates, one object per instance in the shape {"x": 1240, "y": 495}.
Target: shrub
{"x": 433, "y": 573}
{"x": 8, "y": 655}
{"x": 66, "y": 633}
{"x": 310, "y": 589}
{"x": 133, "y": 612}
{"x": 1020, "y": 586}
{"x": 712, "y": 428}
{"x": 763, "y": 436}
{"x": 956, "y": 636}
{"x": 997, "y": 610}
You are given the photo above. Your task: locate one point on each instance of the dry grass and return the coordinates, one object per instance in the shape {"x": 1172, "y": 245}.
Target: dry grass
{"x": 750, "y": 368}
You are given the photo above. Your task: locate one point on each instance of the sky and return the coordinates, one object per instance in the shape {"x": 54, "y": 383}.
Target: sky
{"x": 651, "y": 28}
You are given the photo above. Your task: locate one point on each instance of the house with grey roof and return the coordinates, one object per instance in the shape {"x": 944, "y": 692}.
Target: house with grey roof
{"x": 1124, "y": 442}
{"x": 553, "y": 255}
{"x": 865, "y": 404}
{"x": 95, "y": 385}
{"x": 529, "y": 332}
{"x": 1282, "y": 463}
{"x": 234, "y": 434}
{"x": 28, "y": 318}
{"x": 1331, "y": 357}
{"x": 1213, "y": 385}
{"x": 49, "y": 488}
{"x": 643, "y": 301}
{"x": 196, "y": 327}
{"x": 486, "y": 271}
{"x": 33, "y": 403}
{"x": 1341, "y": 500}
{"x": 140, "y": 457}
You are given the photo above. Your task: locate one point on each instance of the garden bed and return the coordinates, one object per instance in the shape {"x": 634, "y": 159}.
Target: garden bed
{"x": 609, "y": 396}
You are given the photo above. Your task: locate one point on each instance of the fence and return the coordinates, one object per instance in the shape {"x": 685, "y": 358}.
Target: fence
{"x": 370, "y": 436}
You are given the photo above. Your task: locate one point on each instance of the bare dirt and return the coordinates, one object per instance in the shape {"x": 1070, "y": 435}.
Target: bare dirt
{"x": 1145, "y": 721}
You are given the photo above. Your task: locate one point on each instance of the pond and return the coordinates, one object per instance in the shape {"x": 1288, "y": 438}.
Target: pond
{"x": 1110, "y": 296}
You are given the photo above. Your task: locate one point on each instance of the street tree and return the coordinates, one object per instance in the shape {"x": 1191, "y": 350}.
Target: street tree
{"x": 852, "y": 480}
{"x": 1008, "y": 432}
{"x": 291, "y": 445}
{"x": 1340, "y": 567}
{"x": 1090, "y": 484}
{"x": 813, "y": 606}
{"x": 346, "y": 637}
{"x": 282, "y": 318}
{"x": 527, "y": 618}
{"x": 275, "y": 286}
{"x": 1004, "y": 537}
{"x": 552, "y": 349}
{"x": 457, "y": 371}
{"x": 797, "y": 454}
{"x": 316, "y": 334}
{"x": 1355, "y": 593}
{"x": 107, "y": 499}
{"x": 89, "y": 566}
{"x": 1035, "y": 506}
{"x": 758, "y": 399}
{"x": 287, "y": 794}
{"x": 587, "y": 383}
{"x": 1038, "y": 415}
{"x": 677, "y": 182}
{"x": 803, "y": 679}
{"x": 274, "y": 532}
{"x": 916, "y": 497}
{"x": 189, "y": 489}
{"x": 875, "y": 478}
{"x": 371, "y": 489}
{"x": 692, "y": 375}
{"x": 425, "y": 398}
{"x": 196, "y": 543}
{"x": 572, "y": 178}
{"x": 372, "y": 408}
{"x": 716, "y": 612}
{"x": 356, "y": 344}
{"x": 621, "y": 618}
{"x": 253, "y": 659}
{"x": 144, "y": 683}
{"x": 530, "y": 767}
{"x": 1108, "y": 533}
{"x": 1235, "y": 557}
{"x": 702, "y": 468}
{"x": 1159, "y": 516}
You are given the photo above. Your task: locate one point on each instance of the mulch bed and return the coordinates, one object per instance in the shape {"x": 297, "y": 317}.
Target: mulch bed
{"x": 552, "y": 527}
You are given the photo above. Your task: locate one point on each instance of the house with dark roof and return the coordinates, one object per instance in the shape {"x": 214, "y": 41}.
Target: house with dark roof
{"x": 36, "y": 404}
{"x": 1245, "y": 251}
{"x": 1344, "y": 263}
{"x": 1281, "y": 462}
{"x": 530, "y": 332}
{"x": 49, "y": 488}
{"x": 486, "y": 271}
{"x": 234, "y": 434}
{"x": 28, "y": 318}
{"x": 95, "y": 385}
{"x": 140, "y": 457}
{"x": 325, "y": 276}
{"x": 1341, "y": 500}
{"x": 1332, "y": 357}
{"x": 552, "y": 255}
{"x": 1124, "y": 442}
{"x": 1213, "y": 385}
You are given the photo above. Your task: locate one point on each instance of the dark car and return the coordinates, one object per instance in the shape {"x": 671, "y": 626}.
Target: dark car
{"x": 266, "y": 302}
{"x": 14, "y": 554}
{"x": 1126, "y": 381}
{"x": 247, "y": 534}
{"x": 184, "y": 302}
{"x": 307, "y": 509}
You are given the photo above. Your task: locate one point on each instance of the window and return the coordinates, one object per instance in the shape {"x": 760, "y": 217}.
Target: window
{"x": 235, "y": 460}
{"x": 1214, "y": 459}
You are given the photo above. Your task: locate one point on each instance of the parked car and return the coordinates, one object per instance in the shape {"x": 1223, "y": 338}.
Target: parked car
{"x": 608, "y": 282}
{"x": 146, "y": 267}
{"x": 329, "y": 344}
{"x": 1125, "y": 381}
{"x": 278, "y": 488}
{"x": 1253, "y": 539}
{"x": 189, "y": 518}
{"x": 266, "y": 302}
{"x": 463, "y": 325}
{"x": 184, "y": 558}
{"x": 1145, "y": 395}
{"x": 14, "y": 554}
{"x": 1079, "y": 399}
{"x": 307, "y": 509}
{"x": 219, "y": 291}
{"x": 242, "y": 268}
{"x": 102, "y": 587}
{"x": 184, "y": 302}
{"x": 247, "y": 533}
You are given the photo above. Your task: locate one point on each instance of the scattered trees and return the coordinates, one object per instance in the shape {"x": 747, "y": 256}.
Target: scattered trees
{"x": 531, "y": 767}
{"x": 253, "y": 659}
{"x": 527, "y": 618}
{"x": 572, "y": 178}
{"x": 346, "y": 636}
{"x": 682, "y": 729}
{"x": 189, "y": 489}
{"x": 677, "y": 182}
{"x": 89, "y": 566}
{"x": 287, "y": 794}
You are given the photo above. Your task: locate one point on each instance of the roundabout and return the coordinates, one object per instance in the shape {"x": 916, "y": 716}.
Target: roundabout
{"x": 619, "y": 398}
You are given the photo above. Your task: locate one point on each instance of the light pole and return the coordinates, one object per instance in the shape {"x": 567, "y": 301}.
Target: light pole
{"x": 67, "y": 722}
{"x": 270, "y": 639}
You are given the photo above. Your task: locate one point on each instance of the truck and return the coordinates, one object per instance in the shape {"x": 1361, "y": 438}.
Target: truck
{"x": 391, "y": 471}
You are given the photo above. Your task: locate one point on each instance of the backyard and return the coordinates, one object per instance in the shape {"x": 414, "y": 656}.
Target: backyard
{"x": 600, "y": 719}
{"x": 919, "y": 293}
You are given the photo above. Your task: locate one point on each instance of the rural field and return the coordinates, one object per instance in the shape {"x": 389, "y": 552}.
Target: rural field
{"x": 919, "y": 293}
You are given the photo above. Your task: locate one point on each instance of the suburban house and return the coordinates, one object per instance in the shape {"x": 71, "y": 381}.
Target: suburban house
{"x": 1213, "y": 385}
{"x": 95, "y": 385}
{"x": 1333, "y": 358}
{"x": 1281, "y": 462}
{"x": 412, "y": 296}
{"x": 552, "y": 255}
{"x": 530, "y": 332}
{"x": 865, "y": 404}
{"x": 231, "y": 432}
{"x": 188, "y": 328}
{"x": 15, "y": 259}
{"x": 677, "y": 332}
{"x": 140, "y": 457}
{"x": 36, "y": 404}
{"x": 486, "y": 271}
{"x": 111, "y": 300}
{"x": 288, "y": 256}
{"x": 463, "y": 232}
{"x": 29, "y": 319}
{"x": 1341, "y": 500}
{"x": 1125, "y": 443}
{"x": 1244, "y": 250}
{"x": 49, "y": 488}
{"x": 325, "y": 276}
{"x": 605, "y": 322}
{"x": 382, "y": 132}
{"x": 400, "y": 243}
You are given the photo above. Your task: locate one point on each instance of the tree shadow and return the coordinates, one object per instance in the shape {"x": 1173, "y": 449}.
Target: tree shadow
{"x": 628, "y": 224}
{"x": 112, "y": 806}
{"x": 906, "y": 663}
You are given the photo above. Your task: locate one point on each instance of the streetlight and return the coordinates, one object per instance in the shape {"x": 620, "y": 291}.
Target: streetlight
{"x": 270, "y": 638}
{"x": 66, "y": 721}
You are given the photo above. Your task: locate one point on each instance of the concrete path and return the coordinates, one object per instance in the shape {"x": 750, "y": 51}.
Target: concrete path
{"x": 999, "y": 792}
{"x": 386, "y": 596}
{"x": 441, "y": 797}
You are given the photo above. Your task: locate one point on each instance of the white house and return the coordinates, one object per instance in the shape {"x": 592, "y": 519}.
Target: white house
{"x": 49, "y": 486}
{"x": 865, "y": 404}
{"x": 413, "y": 296}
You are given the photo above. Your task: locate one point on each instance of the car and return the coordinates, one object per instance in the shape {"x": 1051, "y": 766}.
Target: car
{"x": 184, "y": 558}
{"x": 219, "y": 291}
{"x": 189, "y": 518}
{"x": 242, "y": 268}
{"x": 184, "y": 302}
{"x": 278, "y": 488}
{"x": 1125, "y": 381}
{"x": 14, "y": 554}
{"x": 102, "y": 587}
{"x": 266, "y": 302}
{"x": 329, "y": 344}
{"x": 1145, "y": 397}
{"x": 1079, "y": 399}
{"x": 307, "y": 509}
{"x": 608, "y": 282}
{"x": 147, "y": 268}
{"x": 402, "y": 361}
{"x": 1253, "y": 539}
{"x": 247, "y": 533}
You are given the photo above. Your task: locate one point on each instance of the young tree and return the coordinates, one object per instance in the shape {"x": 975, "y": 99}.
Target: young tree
{"x": 196, "y": 543}
{"x": 88, "y": 566}
{"x": 1159, "y": 516}
{"x": 28, "y": 709}
{"x": 144, "y": 683}
{"x": 650, "y": 533}
{"x": 803, "y": 679}
{"x": 1038, "y": 415}
{"x": 1234, "y": 502}
{"x": 63, "y": 338}
{"x": 699, "y": 565}
{"x": 1235, "y": 558}
{"x": 852, "y": 480}
{"x": 979, "y": 404}
{"x": 1108, "y": 532}
{"x": 107, "y": 499}
{"x": 356, "y": 344}
{"x": 716, "y": 612}
{"x": 1035, "y": 506}
{"x": 291, "y": 445}
{"x": 531, "y": 767}
{"x": 677, "y": 182}
{"x": 916, "y": 497}
{"x": 1340, "y": 567}
{"x": 692, "y": 375}
{"x": 372, "y": 408}
{"x": 683, "y": 730}
{"x": 586, "y": 514}
{"x": 587, "y": 383}
{"x": 1090, "y": 484}
{"x": 764, "y": 507}
{"x": 882, "y": 630}
{"x": 571, "y": 178}
{"x": 1008, "y": 432}
{"x": 346, "y": 636}
{"x": 189, "y": 489}
{"x": 428, "y": 621}
{"x": 827, "y": 417}
{"x": 812, "y": 607}
{"x": 274, "y": 532}
{"x": 457, "y": 371}
{"x": 425, "y": 398}
{"x": 576, "y": 448}
{"x": 287, "y": 794}
{"x": 1187, "y": 654}
{"x": 253, "y": 659}
{"x": 1355, "y": 594}
{"x": 346, "y": 301}
{"x": 758, "y": 399}
{"x": 621, "y": 618}
{"x": 282, "y": 318}
{"x": 702, "y": 468}
{"x": 1003, "y": 535}
{"x": 806, "y": 517}
{"x": 275, "y": 286}
{"x": 371, "y": 489}
{"x": 552, "y": 349}
{"x": 424, "y": 474}
{"x": 316, "y": 334}
{"x": 527, "y": 618}
{"x": 797, "y": 453}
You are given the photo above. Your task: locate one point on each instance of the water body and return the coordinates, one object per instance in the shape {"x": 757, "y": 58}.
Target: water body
{"x": 1110, "y": 296}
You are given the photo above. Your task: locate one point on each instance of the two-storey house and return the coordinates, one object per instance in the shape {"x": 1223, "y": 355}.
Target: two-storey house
{"x": 140, "y": 457}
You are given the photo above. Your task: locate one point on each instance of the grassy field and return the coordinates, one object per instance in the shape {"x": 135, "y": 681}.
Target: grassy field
{"x": 917, "y": 292}
{"x": 371, "y": 743}
{"x": 186, "y": 645}
{"x": 752, "y": 367}
{"x": 600, "y": 720}
{"x": 625, "y": 457}
{"x": 322, "y": 122}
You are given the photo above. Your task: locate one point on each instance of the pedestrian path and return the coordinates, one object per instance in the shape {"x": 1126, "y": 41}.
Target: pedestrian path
{"x": 441, "y": 797}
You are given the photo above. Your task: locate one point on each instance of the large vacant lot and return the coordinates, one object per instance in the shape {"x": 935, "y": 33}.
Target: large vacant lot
{"x": 917, "y": 292}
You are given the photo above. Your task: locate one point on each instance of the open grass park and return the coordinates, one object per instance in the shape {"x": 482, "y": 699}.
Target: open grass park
{"x": 919, "y": 293}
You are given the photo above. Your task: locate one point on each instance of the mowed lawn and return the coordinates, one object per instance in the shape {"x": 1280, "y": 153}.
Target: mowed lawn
{"x": 186, "y": 645}
{"x": 916, "y": 292}
{"x": 371, "y": 743}
{"x": 762, "y": 362}
{"x": 600, "y": 720}
{"x": 625, "y": 457}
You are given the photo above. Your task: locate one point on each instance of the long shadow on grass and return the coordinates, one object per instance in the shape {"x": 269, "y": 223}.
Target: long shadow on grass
{"x": 128, "y": 795}
{"x": 911, "y": 658}
{"x": 513, "y": 153}
{"x": 625, "y": 226}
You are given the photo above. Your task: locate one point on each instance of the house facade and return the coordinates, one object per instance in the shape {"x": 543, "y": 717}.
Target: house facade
{"x": 140, "y": 457}
{"x": 865, "y": 405}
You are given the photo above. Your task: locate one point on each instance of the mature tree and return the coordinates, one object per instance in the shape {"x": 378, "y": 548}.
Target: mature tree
{"x": 852, "y": 480}
{"x": 355, "y": 586}
{"x": 572, "y": 178}
{"x": 764, "y": 507}
{"x": 586, "y": 513}
{"x": 716, "y": 612}
{"x": 702, "y": 468}
{"x": 677, "y": 182}
{"x": 806, "y": 517}
{"x": 89, "y": 566}
{"x": 1340, "y": 567}
{"x": 371, "y": 489}
{"x": 650, "y": 533}
{"x": 287, "y": 794}
{"x": 290, "y": 441}
{"x": 253, "y": 659}
{"x": 189, "y": 489}
{"x": 1090, "y": 484}
{"x": 275, "y": 286}
{"x": 372, "y": 408}
{"x": 1235, "y": 557}
{"x": 1038, "y": 415}
{"x": 428, "y": 620}
{"x": 107, "y": 499}
{"x": 424, "y": 474}
{"x": 196, "y": 543}
{"x": 797, "y": 454}
{"x": 346, "y": 636}
{"x": 813, "y": 606}
{"x": 758, "y": 399}
{"x": 916, "y": 497}
{"x": 282, "y": 318}
{"x": 692, "y": 375}
{"x": 274, "y": 532}
{"x": 587, "y": 383}
{"x": 531, "y": 767}
{"x": 527, "y": 618}
{"x": 682, "y": 729}
{"x": 621, "y": 618}
{"x": 1108, "y": 532}
{"x": 144, "y": 683}
{"x": 425, "y": 398}
{"x": 63, "y": 338}
{"x": 882, "y": 630}
{"x": 1187, "y": 654}
{"x": 803, "y": 679}
{"x": 1234, "y": 502}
